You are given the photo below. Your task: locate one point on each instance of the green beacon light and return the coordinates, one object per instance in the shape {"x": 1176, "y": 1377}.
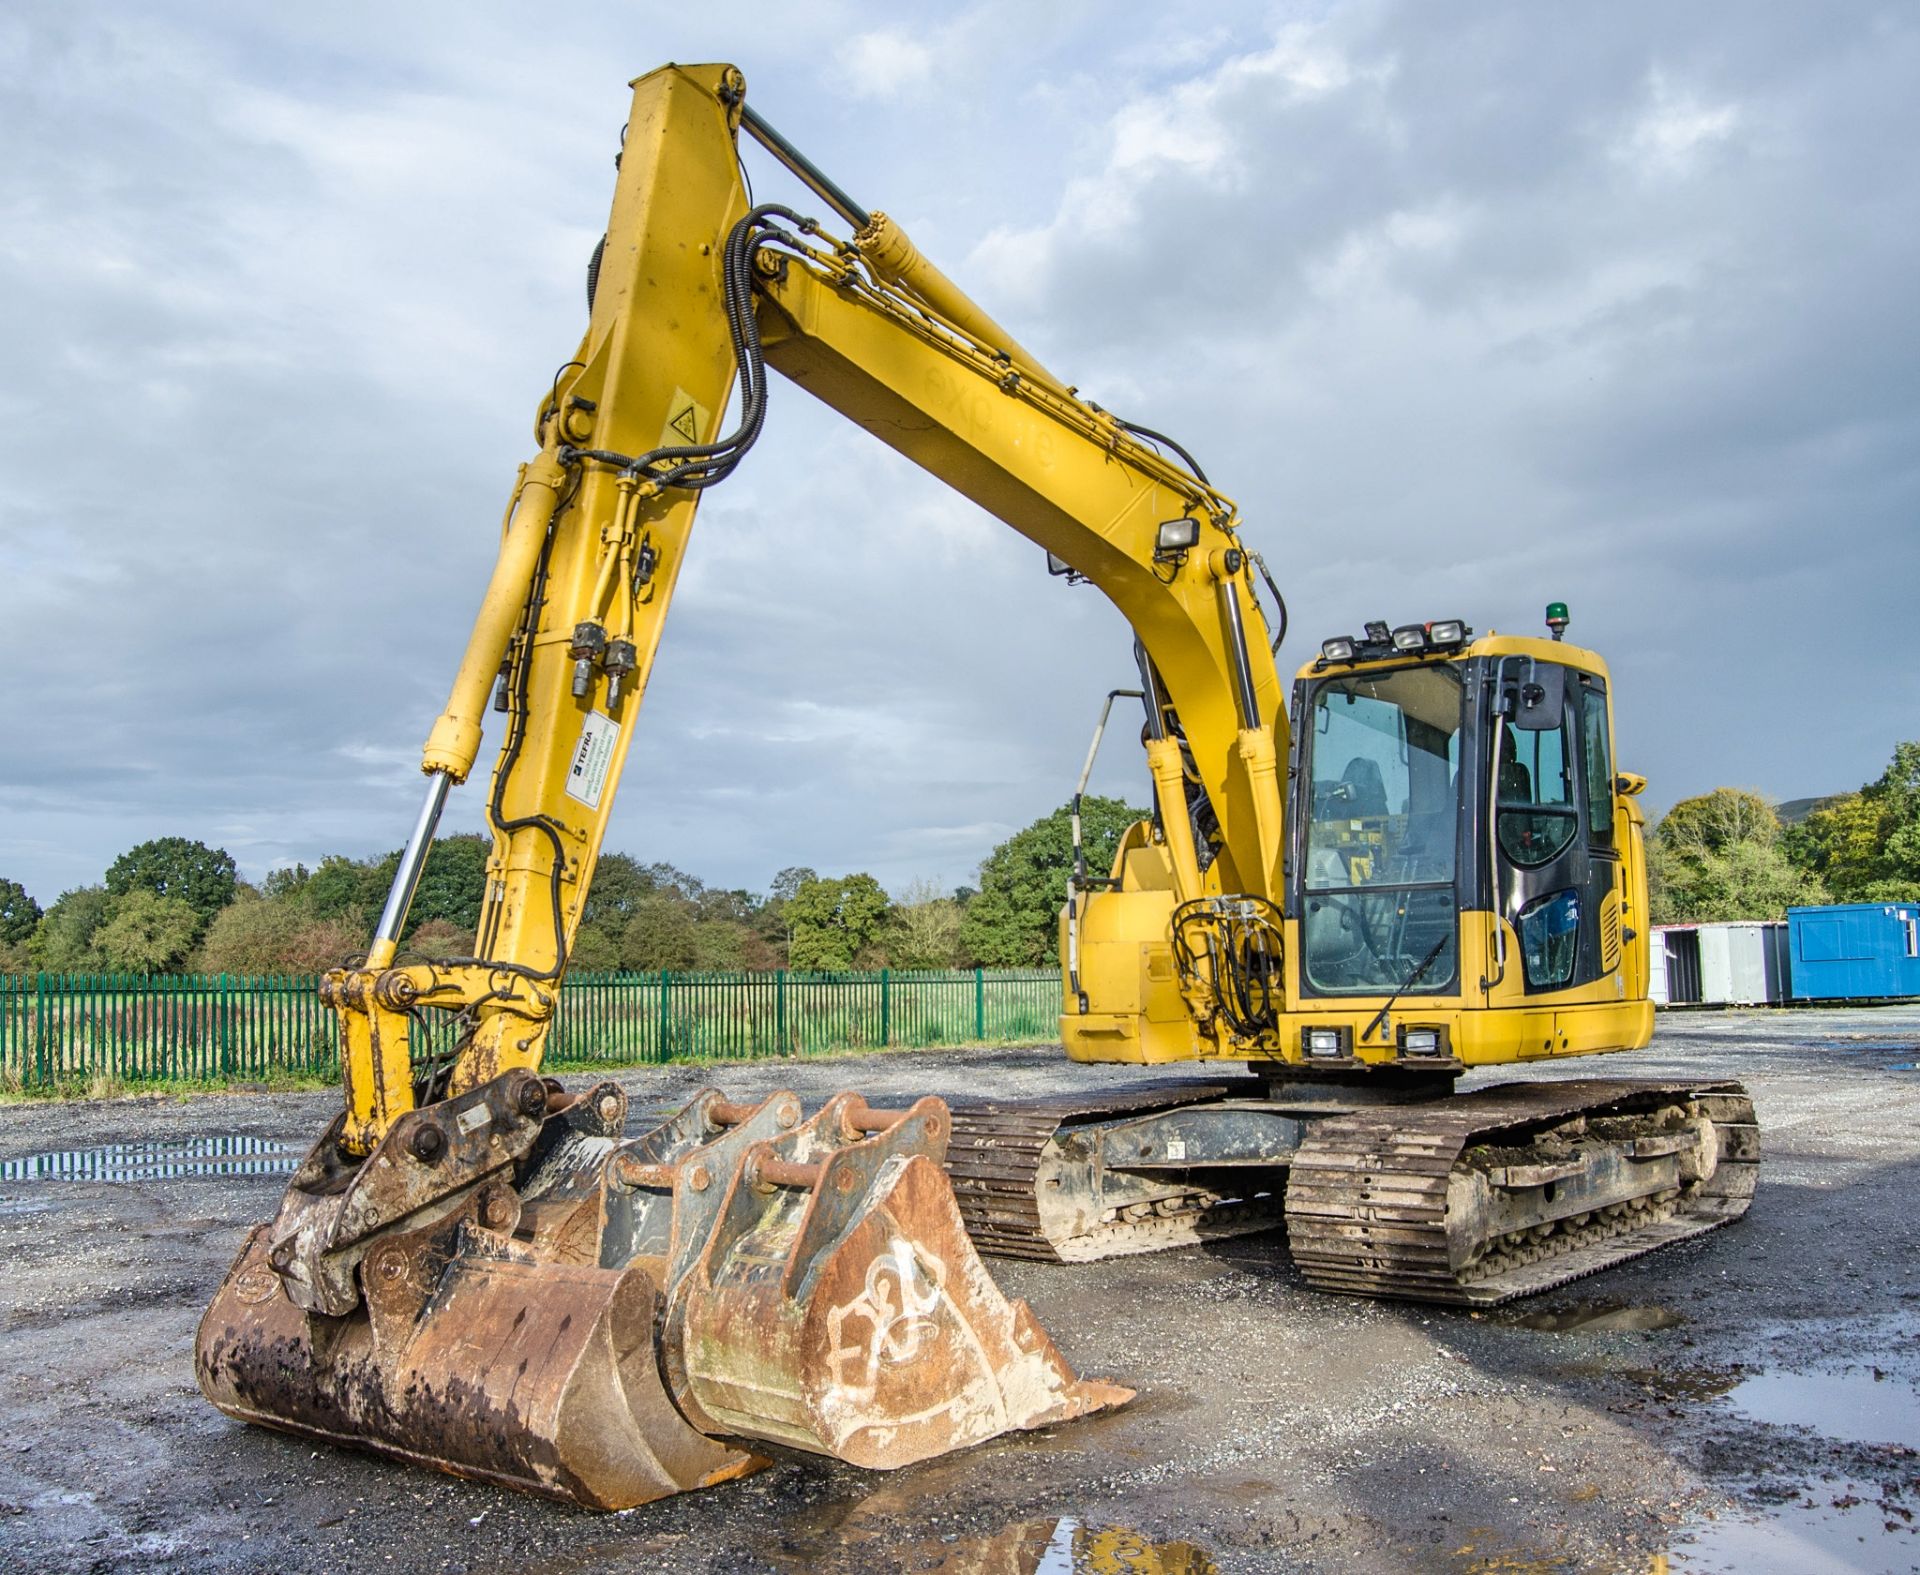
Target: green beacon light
{"x": 1557, "y": 619}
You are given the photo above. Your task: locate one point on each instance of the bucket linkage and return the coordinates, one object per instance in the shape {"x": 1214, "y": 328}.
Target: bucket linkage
{"x": 510, "y": 1289}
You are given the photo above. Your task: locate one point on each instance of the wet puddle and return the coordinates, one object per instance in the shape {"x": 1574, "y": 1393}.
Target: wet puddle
{"x": 232, "y": 1155}
{"x": 1595, "y": 1317}
{"x": 1859, "y": 1406}
{"x": 1837, "y": 1528}
{"x": 1065, "y": 1546}
{"x": 1680, "y": 1383}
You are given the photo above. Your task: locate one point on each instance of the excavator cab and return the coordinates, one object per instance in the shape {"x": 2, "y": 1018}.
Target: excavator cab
{"x": 1465, "y": 840}
{"x": 1462, "y": 879}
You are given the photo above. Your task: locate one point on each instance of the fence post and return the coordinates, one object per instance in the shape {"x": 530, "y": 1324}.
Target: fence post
{"x": 660, "y": 1044}
{"x": 780, "y": 1011}
{"x": 886, "y": 1015}
{"x": 979, "y": 1005}
{"x": 226, "y": 1035}
{"x": 40, "y": 1026}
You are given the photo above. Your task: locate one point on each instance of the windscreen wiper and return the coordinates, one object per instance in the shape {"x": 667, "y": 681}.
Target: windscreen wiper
{"x": 1405, "y": 985}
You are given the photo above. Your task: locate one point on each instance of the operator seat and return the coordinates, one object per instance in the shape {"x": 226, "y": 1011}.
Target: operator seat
{"x": 1366, "y": 788}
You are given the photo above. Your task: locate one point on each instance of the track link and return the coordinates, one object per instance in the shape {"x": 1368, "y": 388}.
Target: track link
{"x": 1368, "y": 1197}
{"x": 995, "y": 1157}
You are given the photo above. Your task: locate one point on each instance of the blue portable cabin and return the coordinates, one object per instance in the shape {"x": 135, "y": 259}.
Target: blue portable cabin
{"x": 1855, "y": 951}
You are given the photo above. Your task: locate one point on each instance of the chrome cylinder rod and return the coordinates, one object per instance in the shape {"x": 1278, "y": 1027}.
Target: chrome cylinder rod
{"x": 406, "y": 880}
{"x": 800, "y": 165}
{"x": 1243, "y": 692}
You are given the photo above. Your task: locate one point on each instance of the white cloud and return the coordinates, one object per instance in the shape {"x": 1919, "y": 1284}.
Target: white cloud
{"x": 1674, "y": 131}
{"x": 1440, "y": 294}
{"x": 884, "y": 64}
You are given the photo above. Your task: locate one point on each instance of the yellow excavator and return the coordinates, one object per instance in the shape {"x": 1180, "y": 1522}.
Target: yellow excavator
{"x": 1423, "y": 862}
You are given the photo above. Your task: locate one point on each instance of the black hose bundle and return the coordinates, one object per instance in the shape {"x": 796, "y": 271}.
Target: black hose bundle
{"x": 1238, "y": 940}
{"x": 696, "y": 466}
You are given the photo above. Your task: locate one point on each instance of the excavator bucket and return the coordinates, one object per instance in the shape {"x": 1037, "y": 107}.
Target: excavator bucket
{"x": 511, "y": 1289}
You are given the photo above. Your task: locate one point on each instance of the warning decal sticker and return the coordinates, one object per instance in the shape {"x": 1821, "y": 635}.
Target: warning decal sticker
{"x": 592, "y": 759}
{"x": 686, "y": 421}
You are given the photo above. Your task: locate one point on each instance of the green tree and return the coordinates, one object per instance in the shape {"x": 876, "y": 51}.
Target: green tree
{"x": 287, "y": 884}
{"x": 594, "y": 950}
{"x": 770, "y": 923}
{"x": 836, "y": 923}
{"x": 147, "y": 933}
{"x": 19, "y": 913}
{"x": 255, "y": 936}
{"x": 63, "y": 942}
{"x": 660, "y": 935}
{"x": 924, "y": 931}
{"x": 789, "y": 881}
{"x": 1720, "y": 856}
{"x": 453, "y": 884}
{"x": 1840, "y": 844}
{"x": 1011, "y": 922}
{"x": 1866, "y": 846}
{"x": 719, "y": 944}
{"x": 343, "y": 888}
{"x": 441, "y": 938}
{"x": 619, "y": 882}
{"x": 203, "y": 878}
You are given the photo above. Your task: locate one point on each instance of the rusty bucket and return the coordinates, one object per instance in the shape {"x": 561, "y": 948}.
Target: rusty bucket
{"x": 510, "y": 1289}
{"x": 838, "y": 1305}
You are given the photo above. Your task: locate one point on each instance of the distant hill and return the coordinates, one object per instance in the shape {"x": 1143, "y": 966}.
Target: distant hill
{"x": 1795, "y": 810}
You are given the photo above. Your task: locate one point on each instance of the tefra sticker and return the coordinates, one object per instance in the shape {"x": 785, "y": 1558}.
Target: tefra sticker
{"x": 592, "y": 759}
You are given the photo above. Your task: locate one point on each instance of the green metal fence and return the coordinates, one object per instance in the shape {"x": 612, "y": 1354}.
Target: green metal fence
{"x": 60, "y": 1027}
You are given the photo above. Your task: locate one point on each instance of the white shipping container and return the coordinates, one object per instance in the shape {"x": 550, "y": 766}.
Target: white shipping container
{"x": 1740, "y": 963}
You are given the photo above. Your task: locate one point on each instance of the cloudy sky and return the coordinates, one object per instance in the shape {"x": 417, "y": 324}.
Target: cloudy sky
{"x": 1470, "y": 306}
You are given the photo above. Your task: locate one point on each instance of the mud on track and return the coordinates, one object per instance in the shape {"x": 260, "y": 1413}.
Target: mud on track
{"x": 1711, "y": 1404}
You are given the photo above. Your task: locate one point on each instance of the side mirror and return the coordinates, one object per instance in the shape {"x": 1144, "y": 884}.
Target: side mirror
{"x": 1537, "y": 701}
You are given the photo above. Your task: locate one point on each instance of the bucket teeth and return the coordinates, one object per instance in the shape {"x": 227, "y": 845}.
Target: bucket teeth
{"x": 612, "y": 1320}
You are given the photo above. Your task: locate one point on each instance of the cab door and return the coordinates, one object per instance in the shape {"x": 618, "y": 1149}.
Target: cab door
{"x": 1556, "y": 872}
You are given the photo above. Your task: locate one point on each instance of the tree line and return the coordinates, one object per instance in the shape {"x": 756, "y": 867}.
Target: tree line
{"x": 176, "y": 905}
{"x": 1728, "y": 855}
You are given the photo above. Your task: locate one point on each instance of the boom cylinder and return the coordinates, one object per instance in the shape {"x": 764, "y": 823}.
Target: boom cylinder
{"x": 455, "y": 739}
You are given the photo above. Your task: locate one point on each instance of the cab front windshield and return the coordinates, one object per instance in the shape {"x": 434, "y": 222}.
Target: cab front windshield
{"x": 1378, "y": 903}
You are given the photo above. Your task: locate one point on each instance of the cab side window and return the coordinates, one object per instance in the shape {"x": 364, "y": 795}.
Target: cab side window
{"x": 1597, "y": 761}
{"x": 1538, "y": 818}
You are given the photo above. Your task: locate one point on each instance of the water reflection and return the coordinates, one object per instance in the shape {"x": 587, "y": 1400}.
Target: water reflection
{"x": 1862, "y": 1405}
{"x": 1593, "y": 1317}
{"x": 229, "y": 1155}
{"x": 1838, "y": 1528}
{"x": 1067, "y": 1547}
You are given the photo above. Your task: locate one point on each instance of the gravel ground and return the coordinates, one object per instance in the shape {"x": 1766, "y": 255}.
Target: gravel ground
{"x": 1745, "y": 1401}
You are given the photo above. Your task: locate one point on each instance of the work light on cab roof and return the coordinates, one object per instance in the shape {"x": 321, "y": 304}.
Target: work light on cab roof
{"x": 1409, "y": 639}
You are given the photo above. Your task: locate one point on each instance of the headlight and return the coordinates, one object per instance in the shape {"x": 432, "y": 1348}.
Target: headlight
{"x": 1339, "y": 649}
{"x": 1324, "y": 1042}
{"x": 1410, "y": 637}
{"x": 1176, "y": 536}
{"x": 1419, "y": 1041}
{"x": 1447, "y": 631}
